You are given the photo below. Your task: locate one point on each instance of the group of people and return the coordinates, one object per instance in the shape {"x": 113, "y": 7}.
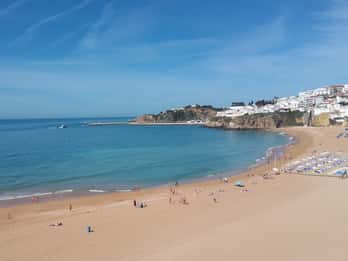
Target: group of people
{"x": 174, "y": 194}
{"x": 139, "y": 204}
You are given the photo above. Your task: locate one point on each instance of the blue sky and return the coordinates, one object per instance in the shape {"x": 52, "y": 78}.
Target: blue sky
{"x": 111, "y": 57}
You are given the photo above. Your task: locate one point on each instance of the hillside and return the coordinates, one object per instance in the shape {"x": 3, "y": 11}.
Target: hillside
{"x": 207, "y": 115}
{"x": 185, "y": 114}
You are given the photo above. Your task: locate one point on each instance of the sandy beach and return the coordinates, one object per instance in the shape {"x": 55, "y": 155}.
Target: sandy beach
{"x": 285, "y": 217}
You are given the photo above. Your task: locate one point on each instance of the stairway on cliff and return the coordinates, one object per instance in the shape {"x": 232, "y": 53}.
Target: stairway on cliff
{"x": 308, "y": 118}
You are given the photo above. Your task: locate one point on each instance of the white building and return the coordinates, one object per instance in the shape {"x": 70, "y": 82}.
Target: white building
{"x": 235, "y": 111}
{"x": 328, "y": 99}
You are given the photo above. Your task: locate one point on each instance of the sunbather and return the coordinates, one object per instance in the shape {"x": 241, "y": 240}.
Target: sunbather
{"x": 58, "y": 224}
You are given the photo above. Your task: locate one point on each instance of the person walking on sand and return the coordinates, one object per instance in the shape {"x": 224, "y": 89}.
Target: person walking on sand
{"x": 172, "y": 190}
{"x": 70, "y": 207}
{"x": 134, "y": 203}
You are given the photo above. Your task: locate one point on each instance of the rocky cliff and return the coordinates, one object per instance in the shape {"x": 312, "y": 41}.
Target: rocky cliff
{"x": 258, "y": 121}
{"x": 207, "y": 114}
{"x": 322, "y": 120}
{"x": 189, "y": 113}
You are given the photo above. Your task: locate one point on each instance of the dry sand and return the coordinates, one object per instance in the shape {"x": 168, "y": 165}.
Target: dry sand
{"x": 289, "y": 217}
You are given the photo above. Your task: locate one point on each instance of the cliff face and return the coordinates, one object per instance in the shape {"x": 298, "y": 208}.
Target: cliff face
{"x": 207, "y": 114}
{"x": 258, "y": 121}
{"x": 202, "y": 113}
{"x": 322, "y": 120}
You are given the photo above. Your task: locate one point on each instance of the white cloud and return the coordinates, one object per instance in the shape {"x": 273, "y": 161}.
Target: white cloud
{"x": 7, "y": 10}
{"x": 116, "y": 26}
{"x": 36, "y": 26}
{"x": 267, "y": 58}
{"x": 174, "y": 52}
{"x": 247, "y": 51}
{"x": 90, "y": 40}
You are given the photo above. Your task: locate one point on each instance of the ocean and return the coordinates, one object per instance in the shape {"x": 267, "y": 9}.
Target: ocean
{"x": 38, "y": 158}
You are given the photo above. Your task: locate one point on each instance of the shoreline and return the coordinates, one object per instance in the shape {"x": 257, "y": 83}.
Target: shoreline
{"x": 71, "y": 193}
{"x": 206, "y": 220}
{"x": 25, "y": 206}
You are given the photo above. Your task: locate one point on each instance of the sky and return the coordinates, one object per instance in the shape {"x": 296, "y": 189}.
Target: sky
{"x": 81, "y": 58}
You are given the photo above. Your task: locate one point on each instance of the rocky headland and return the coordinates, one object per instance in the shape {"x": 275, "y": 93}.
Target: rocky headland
{"x": 206, "y": 116}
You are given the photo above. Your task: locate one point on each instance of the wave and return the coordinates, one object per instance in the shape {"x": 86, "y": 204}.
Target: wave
{"x": 12, "y": 197}
{"x": 97, "y": 191}
{"x": 122, "y": 190}
{"x": 64, "y": 191}
{"x": 31, "y": 195}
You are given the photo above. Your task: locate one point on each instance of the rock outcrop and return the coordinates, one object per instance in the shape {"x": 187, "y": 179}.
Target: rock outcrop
{"x": 258, "y": 121}
{"x": 188, "y": 113}
{"x": 207, "y": 114}
{"x": 322, "y": 120}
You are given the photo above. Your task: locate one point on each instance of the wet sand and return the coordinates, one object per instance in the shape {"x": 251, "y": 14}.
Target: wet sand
{"x": 287, "y": 217}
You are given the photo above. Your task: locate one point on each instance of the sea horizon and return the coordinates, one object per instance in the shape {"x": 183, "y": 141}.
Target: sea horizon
{"x": 65, "y": 118}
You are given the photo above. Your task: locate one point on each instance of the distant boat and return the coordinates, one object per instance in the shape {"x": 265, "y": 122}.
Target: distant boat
{"x": 62, "y": 126}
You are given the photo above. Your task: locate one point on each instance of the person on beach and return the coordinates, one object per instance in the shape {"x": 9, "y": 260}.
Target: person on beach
{"x": 134, "y": 203}
{"x": 70, "y": 207}
{"x": 184, "y": 201}
{"x": 172, "y": 190}
{"x": 58, "y": 224}
{"x": 89, "y": 229}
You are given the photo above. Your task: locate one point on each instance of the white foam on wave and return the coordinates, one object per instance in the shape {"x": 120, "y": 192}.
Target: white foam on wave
{"x": 64, "y": 191}
{"x": 97, "y": 191}
{"x": 42, "y": 194}
{"x": 12, "y": 197}
{"x": 122, "y": 190}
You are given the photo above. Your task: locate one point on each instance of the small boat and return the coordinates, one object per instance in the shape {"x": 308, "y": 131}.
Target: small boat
{"x": 62, "y": 126}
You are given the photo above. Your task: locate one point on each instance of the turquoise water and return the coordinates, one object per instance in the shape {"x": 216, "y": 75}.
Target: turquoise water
{"x": 38, "y": 157}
